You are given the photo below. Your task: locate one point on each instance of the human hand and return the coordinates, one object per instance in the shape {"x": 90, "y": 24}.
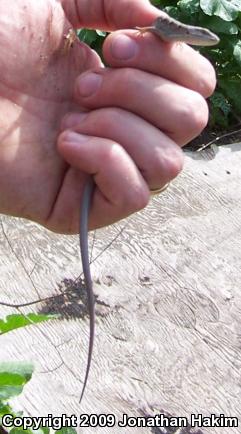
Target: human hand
{"x": 36, "y": 87}
{"x": 142, "y": 110}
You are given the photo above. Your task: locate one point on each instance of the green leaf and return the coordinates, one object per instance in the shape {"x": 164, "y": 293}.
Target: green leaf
{"x": 10, "y": 385}
{"x": 12, "y": 322}
{"x": 13, "y": 377}
{"x": 226, "y": 9}
{"x": 45, "y": 430}
{"x": 173, "y": 12}
{"x": 218, "y": 25}
{"x": 4, "y": 409}
{"x": 189, "y": 7}
{"x": 100, "y": 33}
{"x": 22, "y": 368}
{"x": 155, "y": 2}
{"x": 219, "y": 101}
{"x": 87, "y": 36}
{"x": 232, "y": 89}
{"x": 20, "y": 431}
{"x": 237, "y": 53}
{"x": 66, "y": 431}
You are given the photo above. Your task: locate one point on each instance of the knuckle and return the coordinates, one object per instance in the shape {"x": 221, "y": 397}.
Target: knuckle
{"x": 170, "y": 164}
{"x": 175, "y": 167}
{"x": 109, "y": 118}
{"x": 111, "y": 153}
{"x": 133, "y": 200}
{"x": 207, "y": 83}
{"x": 129, "y": 79}
{"x": 133, "y": 192}
{"x": 166, "y": 164}
{"x": 137, "y": 199}
{"x": 127, "y": 74}
{"x": 141, "y": 198}
{"x": 193, "y": 115}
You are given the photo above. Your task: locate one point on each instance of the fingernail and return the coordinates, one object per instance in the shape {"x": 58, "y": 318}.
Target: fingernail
{"x": 123, "y": 47}
{"x": 72, "y": 120}
{"x": 88, "y": 83}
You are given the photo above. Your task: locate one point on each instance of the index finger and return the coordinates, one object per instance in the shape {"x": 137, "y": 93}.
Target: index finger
{"x": 111, "y": 14}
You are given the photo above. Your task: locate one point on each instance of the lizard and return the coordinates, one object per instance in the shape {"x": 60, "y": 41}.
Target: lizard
{"x": 168, "y": 30}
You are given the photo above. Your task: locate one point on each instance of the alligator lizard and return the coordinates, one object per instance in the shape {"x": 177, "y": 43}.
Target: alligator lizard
{"x": 168, "y": 30}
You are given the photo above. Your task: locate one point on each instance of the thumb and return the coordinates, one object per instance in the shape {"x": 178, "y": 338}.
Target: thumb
{"x": 110, "y": 14}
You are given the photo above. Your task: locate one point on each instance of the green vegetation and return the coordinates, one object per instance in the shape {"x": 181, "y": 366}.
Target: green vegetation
{"x": 13, "y": 322}
{"x": 14, "y": 376}
{"x": 223, "y": 17}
